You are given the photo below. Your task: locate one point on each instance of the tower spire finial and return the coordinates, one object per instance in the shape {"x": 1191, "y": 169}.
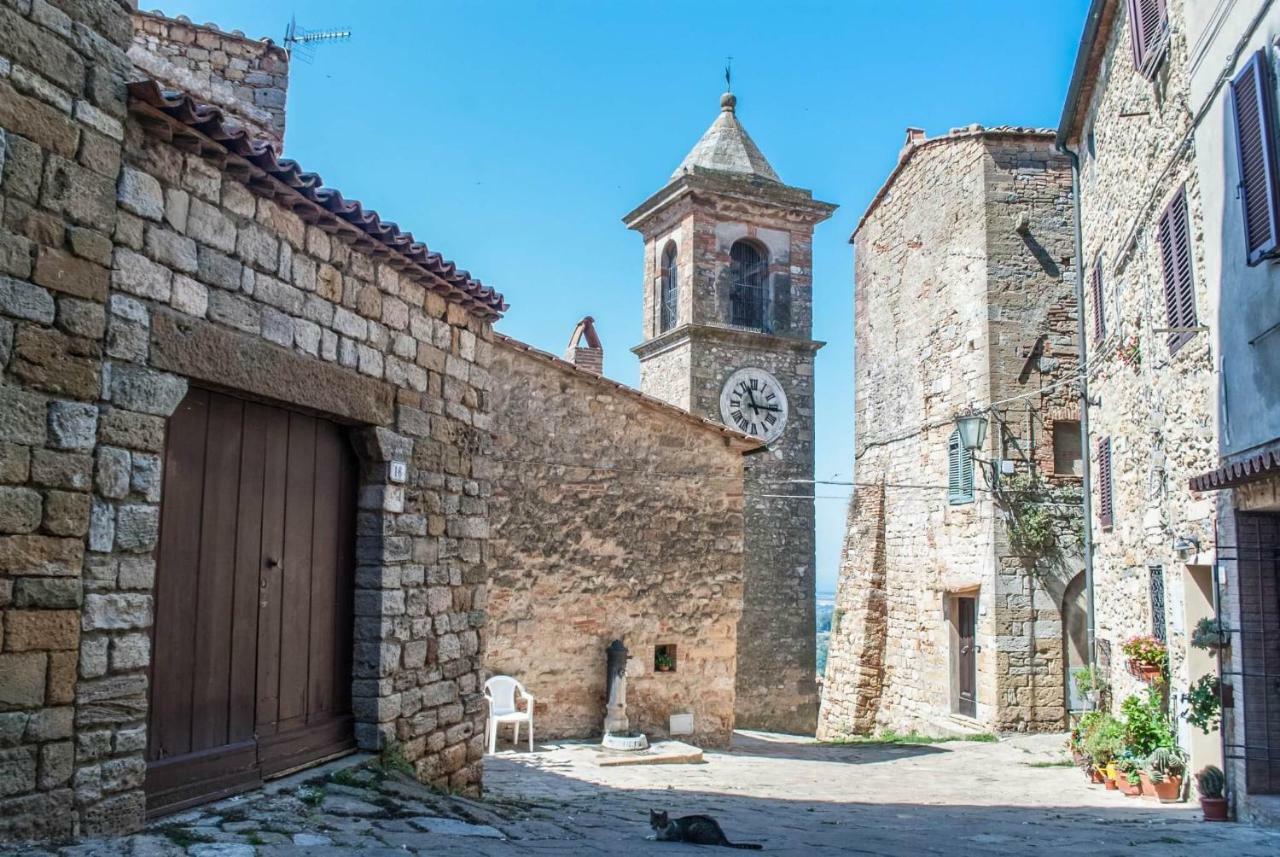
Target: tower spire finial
{"x": 728, "y": 101}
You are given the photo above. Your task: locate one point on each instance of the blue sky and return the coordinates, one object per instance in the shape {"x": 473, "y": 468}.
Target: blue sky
{"x": 513, "y": 136}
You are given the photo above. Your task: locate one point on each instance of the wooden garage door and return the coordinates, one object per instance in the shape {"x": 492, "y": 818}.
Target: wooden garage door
{"x": 251, "y": 673}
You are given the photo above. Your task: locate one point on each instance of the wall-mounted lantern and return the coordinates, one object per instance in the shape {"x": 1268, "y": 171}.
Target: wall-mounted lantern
{"x": 973, "y": 430}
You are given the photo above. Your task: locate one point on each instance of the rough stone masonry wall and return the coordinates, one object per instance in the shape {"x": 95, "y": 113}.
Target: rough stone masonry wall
{"x": 612, "y": 519}
{"x": 125, "y": 284}
{"x": 923, "y": 248}
{"x": 947, "y": 238}
{"x": 1157, "y": 409}
{"x": 247, "y": 78}
{"x": 62, "y": 109}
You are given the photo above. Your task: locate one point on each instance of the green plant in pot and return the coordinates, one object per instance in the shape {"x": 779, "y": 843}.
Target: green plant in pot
{"x": 1211, "y": 635}
{"x": 1148, "y": 658}
{"x": 1146, "y": 725}
{"x": 1164, "y": 769}
{"x": 1090, "y": 683}
{"x": 1204, "y": 703}
{"x": 1105, "y": 741}
{"x": 1211, "y": 783}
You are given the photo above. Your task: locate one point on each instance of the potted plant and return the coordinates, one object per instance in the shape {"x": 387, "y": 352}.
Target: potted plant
{"x": 1204, "y": 703}
{"x": 663, "y": 662}
{"x": 1164, "y": 770}
{"x": 1148, "y": 658}
{"x": 1146, "y": 726}
{"x": 1127, "y": 779}
{"x": 1211, "y": 635}
{"x": 1103, "y": 744}
{"x": 1089, "y": 683}
{"x": 1210, "y": 782}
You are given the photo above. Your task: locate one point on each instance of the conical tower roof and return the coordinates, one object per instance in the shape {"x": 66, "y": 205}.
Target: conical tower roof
{"x": 727, "y": 147}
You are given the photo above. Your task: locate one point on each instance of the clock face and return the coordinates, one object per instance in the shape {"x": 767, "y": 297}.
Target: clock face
{"x": 753, "y": 402}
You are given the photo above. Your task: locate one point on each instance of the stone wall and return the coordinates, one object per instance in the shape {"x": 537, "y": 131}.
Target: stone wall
{"x": 132, "y": 269}
{"x": 614, "y": 517}
{"x": 964, "y": 298}
{"x": 62, "y": 113}
{"x": 1156, "y": 407}
{"x": 248, "y": 78}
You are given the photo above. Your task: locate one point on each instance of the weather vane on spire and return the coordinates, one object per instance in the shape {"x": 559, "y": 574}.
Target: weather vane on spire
{"x": 728, "y": 74}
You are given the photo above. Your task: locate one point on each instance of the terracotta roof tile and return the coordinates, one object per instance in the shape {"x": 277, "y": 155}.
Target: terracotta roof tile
{"x": 1240, "y": 472}
{"x": 211, "y": 123}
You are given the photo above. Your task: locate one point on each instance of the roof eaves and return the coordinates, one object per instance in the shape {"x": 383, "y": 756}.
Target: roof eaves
{"x": 1097, "y": 28}
{"x": 254, "y": 161}
{"x": 745, "y": 442}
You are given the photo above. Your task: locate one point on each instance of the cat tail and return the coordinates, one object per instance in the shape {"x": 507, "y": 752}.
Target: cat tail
{"x": 750, "y": 846}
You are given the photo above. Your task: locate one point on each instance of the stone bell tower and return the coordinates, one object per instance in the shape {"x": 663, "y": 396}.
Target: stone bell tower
{"x": 728, "y": 312}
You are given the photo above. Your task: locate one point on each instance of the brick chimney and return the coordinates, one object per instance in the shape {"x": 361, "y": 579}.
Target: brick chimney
{"x": 584, "y": 349}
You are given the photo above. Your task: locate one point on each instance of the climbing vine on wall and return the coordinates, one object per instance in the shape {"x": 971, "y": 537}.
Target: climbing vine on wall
{"x": 1043, "y": 520}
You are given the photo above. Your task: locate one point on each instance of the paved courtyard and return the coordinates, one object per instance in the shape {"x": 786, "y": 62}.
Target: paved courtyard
{"x": 793, "y": 796}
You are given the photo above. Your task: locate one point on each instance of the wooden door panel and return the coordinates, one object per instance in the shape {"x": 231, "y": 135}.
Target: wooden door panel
{"x": 253, "y": 635}
{"x": 215, "y": 585}
{"x": 967, "y": 656}
{"x": 297, "y": 570}
{"x": 173, "y": 635}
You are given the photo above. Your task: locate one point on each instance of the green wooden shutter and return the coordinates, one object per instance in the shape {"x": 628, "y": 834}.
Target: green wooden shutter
{"x": 959, "y": 471}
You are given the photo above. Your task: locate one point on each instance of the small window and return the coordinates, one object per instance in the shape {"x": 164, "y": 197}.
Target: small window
{"x": 664, "y": 658}
{"x": 670, "y": 294}
{"x": 747, "y": 269}
{"x": 1253, "y": 113}
{"x": 1149, "y": 34}
{"x": 1099, "y": 303}
{"x": 1106, "y": 508}
{"x": 1066, "y": 449}
{"x": 1155, "y": 579}
{"x": 1174, "y": 234}
{"x": 959, "y": 471}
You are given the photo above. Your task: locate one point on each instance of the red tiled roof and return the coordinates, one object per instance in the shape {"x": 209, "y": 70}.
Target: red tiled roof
{"x": 304, "y": 193}
{"x": 1246, "y": 470}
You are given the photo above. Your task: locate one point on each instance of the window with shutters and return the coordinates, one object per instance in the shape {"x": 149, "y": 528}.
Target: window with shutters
{"x": 1099, "y": 304}
{"x": 669, "y": 289}
{"x": 1149, "y": 34}
{"x": 1174, "y": 234}
{"x": 1106, "y": 503}
{"x": 959, "y": 471}
{"x": 1253, "y": 115}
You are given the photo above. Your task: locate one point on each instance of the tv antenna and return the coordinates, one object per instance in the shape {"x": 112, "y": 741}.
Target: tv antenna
{"x": 301, "y": 42}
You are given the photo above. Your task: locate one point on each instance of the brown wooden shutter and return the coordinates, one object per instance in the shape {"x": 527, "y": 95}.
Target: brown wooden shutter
{"x": 1175, "y": 260}
{"x": 1106, "y": 507}
{"x": 1099, "y": 312}
{"x": 1148, "y": 33}
{"x": 1251, "y": 107}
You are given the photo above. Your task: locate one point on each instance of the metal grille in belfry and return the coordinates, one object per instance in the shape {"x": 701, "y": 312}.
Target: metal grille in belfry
{"x": 1156, "y": 575}
{"x": 747, "y": 298}
{"x": 670, "y": 287}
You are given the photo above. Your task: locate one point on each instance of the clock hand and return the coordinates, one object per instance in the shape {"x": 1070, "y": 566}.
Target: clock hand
{"x": 752, "y": 397}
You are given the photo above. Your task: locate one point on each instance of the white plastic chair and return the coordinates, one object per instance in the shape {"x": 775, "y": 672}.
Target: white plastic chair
{"x": 500, "y": 691}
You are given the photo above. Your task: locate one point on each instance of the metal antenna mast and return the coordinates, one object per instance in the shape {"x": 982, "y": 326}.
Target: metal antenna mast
{"x": 302, "y": 43}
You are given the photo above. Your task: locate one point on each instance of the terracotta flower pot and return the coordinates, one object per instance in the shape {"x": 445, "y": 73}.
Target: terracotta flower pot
{"x": 1146, "y": 672}
{"x": 1148, "y": 787}
{"x": 1111, "y": 784}
{"x": 1168, "y": 791}
{"x": 1214, "y": 808}
{"x": 1096, "y": 777}
{"x": 1130, "y": 789}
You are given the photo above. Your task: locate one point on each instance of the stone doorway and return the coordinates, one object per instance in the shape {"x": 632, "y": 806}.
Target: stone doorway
{"x": 1075, "y": 640}
{"x": 964, "y": 658}
{"x": 253, "y": 635}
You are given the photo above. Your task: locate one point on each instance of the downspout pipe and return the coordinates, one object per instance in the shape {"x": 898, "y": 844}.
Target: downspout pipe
{"x": 1082, "y": 345}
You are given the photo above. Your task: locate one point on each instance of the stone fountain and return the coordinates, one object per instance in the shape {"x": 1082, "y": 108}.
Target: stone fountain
{"x": 617, "y": 728}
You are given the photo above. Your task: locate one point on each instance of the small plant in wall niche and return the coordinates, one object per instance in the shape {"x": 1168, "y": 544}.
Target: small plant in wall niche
{"x": 664, "y": 659}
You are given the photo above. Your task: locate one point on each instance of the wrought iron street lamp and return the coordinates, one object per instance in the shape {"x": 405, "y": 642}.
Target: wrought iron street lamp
{"x": 973, "y": 430}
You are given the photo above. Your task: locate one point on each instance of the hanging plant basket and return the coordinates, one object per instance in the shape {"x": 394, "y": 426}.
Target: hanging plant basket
{"x": 1150, "y": 673}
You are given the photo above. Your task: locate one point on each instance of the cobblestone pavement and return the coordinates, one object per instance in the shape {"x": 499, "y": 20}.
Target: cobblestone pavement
{"x": 793, "y": 796}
